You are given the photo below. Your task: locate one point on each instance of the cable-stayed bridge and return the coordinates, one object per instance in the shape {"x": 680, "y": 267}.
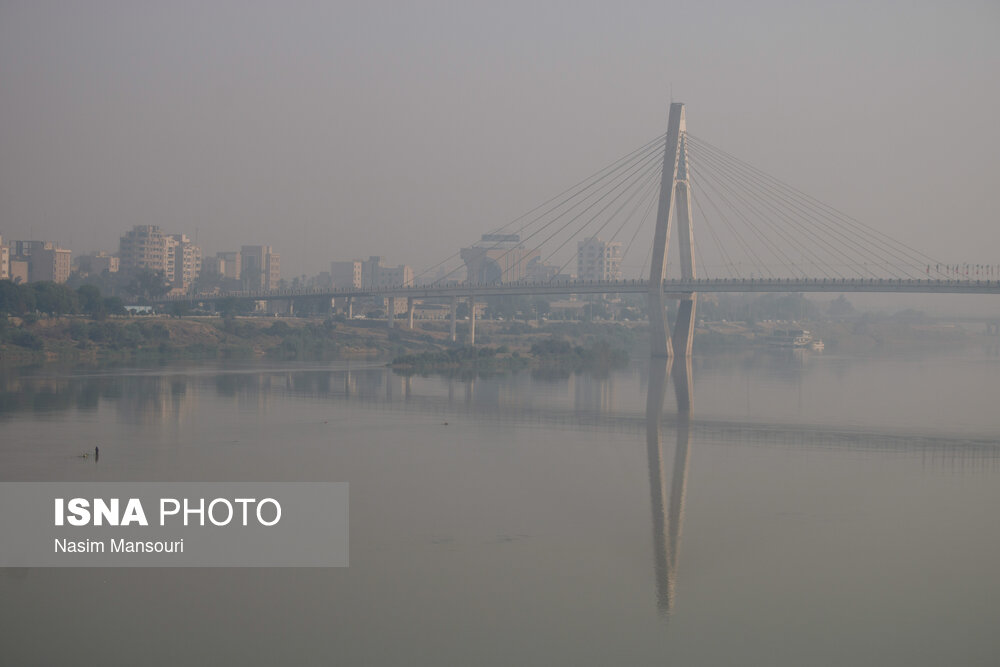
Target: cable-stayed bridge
{"x": 760, "y": 235}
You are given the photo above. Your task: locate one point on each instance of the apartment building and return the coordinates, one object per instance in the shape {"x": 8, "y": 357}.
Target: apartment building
{"x": 598, "y": 260}
{"x": 260, "y": 267}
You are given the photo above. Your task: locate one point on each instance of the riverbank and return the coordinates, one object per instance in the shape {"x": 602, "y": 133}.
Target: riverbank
{"x": 80, "y": 339}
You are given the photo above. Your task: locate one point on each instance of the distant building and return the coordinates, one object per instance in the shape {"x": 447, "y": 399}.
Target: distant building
{"x": 143, "y": 247}
{"x": 498, "y": 258}
{"x": 18, "y": 271}
{"x": 372, "y": 272}
{"x": 321, "y": 280}
{"x": 50, "y": 263}
{"x": 598, "y": 260}
{"x": 260, "y": 267}
{"x": 213, "y": 267}
{"x": 183, "y": 264}
{"x": 540, "y": 272}
{"x": 4, "y": 261}
{"x": 375, "y": 273}
{"x": 43, "y": 260}
{"x": 232, "y": 267}
{"x": 97, "y": 263}
{"x": 346, "y": 274}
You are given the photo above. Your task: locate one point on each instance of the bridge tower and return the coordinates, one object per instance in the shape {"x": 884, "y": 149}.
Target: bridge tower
{"x": 674, "y": 191}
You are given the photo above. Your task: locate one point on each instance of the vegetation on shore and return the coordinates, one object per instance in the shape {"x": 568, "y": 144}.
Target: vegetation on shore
{"x": 42, "y": 322}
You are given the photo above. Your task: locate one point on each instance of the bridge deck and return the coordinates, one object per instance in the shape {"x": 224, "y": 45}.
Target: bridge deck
{"x": 671, "y": 288}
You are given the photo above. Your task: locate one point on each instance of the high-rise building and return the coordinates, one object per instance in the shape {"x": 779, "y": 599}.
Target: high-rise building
{"x": 143, "y": 247}
{"x": 18, "y": 269}
{"x": 233, "y": 264}
{"x": 183, "y": 264}
{"x": 213, "y": 267}
{"x": 498, "y": 258}
{"x": 598, "y": 260}
{"x": 346, "y": 274}
{"x": 4, "y": 261}
{"x": 97, "y": 263}
{"x": 372, "y": 272}
{"x": 50, "y": 263}
{"x": 375, "y": 273}
{"x": 260, "y": 267}
{"x": 44, "y": 261}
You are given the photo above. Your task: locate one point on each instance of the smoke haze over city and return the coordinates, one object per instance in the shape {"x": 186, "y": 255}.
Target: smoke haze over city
{"x": 333, "y": 131}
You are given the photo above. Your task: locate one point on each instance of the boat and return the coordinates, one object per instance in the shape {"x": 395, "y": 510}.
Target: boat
{"x": 789, "y": 338}
{"x": 817, "y": 345}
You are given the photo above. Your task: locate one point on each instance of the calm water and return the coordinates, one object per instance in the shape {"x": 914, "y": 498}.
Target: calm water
{"x": 760, "y": 508}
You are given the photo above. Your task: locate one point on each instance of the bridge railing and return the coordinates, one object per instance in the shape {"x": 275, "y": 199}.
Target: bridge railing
{"x": 566, "y": 286}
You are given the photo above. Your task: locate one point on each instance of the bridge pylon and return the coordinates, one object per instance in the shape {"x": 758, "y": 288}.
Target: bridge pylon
{"x": 674, "y": 192}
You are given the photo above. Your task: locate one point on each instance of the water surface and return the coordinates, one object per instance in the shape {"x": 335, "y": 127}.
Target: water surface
{"x": 751, "y": 508}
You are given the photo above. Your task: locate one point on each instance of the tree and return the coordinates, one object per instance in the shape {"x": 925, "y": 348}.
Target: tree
{"x": 113, "y": 305}
{"x": 16, "y": 299}
{"x": 54, "y": 298}
{"x": 148, "y": 284}
{"x": 180, "y": 308}
{"x": 91, "y": 303}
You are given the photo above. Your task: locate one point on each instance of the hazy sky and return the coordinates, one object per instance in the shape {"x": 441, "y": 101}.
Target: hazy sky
{"x": 333, "y": 130}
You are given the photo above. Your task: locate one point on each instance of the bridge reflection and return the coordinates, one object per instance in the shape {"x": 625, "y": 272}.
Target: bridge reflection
{"x": 171, "y": 396}
{"x": 667, "y": 499}
{"x": 577, "y": 402}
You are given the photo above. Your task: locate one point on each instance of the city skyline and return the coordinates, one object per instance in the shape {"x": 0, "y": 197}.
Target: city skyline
{"x": 354, "y": 131}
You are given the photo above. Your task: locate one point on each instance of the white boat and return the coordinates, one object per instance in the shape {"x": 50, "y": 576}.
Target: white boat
{"x": 789, "y": 338}
{"x": 817, "y": 345}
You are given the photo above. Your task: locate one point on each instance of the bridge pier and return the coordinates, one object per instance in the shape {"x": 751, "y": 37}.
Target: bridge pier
{"x": 454, "y": 318}
{"x": 684, "y": 326}
{"x": 409, "y": 311}
{"x": 350, "y": 308}
{"x": 659, "y": 334}
{"x": 472, "y": 320}
{"x": 674, "y": 192}
{"x": 392, "y": 310}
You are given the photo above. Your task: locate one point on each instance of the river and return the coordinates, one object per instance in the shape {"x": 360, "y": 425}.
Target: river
{"x": 759, "y": 507}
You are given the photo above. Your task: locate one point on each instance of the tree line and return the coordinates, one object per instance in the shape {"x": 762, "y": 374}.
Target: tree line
{"x": 56, "y": 299}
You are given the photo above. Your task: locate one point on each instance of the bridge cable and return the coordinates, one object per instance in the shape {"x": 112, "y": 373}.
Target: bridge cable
{"x": 640, "y": 227}
{"x": 590, "y": 191}
{"x": 727, "y": 262}
{"x": 724, "y": 183}
{"x": 649, "y": 180}
{"x": 892, "y": 246}
{"x": 641, "y": 167}
{"x": 596, "y": 177}
{"x": 649, "y": 167}
{"x": 565, "y": 196}
{"x": 817, "y": 204}
{"x": 772, "y": 246}
{"x": 650, "y": 191}
{"x": 821, "y": 225}
{"x": 755, "y": 259}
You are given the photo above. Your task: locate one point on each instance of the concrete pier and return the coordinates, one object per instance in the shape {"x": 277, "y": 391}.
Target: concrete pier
{"x": 472, "y": 320}
{"x": 674, "y": 192}
{"x": 454, "y": 319}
